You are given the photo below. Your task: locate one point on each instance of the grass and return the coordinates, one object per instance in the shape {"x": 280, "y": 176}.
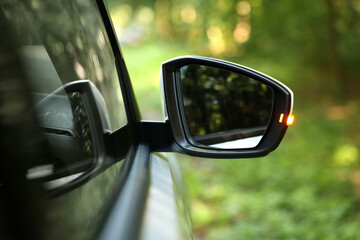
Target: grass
{"x": 309, "y": 188}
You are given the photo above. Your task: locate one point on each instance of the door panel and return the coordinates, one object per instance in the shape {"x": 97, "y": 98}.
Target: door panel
{"x": 149, "y": 205}
{"x": 163, "y": 216}
{"x": 125, "y": 216}
{"x": 79, "y": 213}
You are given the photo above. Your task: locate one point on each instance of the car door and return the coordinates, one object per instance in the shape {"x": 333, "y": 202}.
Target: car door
{"x": 76, "y": 165}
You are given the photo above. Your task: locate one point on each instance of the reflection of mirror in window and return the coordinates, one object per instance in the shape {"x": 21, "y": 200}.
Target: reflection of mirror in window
{"x": 66, "y": 130}
{"x": 224, "y": 109}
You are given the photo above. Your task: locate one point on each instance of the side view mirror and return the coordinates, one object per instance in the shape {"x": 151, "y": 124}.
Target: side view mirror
{"x": 221, "y": 109}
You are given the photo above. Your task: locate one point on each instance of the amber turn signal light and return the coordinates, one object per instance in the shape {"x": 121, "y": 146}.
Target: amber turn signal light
{"x": 289, "y": 121}
{"x": 281, "y": 118}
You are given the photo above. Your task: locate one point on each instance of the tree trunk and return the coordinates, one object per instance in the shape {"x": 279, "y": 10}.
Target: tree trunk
{"x": 336, "y": 84}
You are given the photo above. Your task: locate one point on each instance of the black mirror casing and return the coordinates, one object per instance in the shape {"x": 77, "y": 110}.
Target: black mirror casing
{"x": 174, "y": 109}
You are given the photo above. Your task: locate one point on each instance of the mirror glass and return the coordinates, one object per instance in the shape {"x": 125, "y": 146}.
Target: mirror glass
{"x": 224, "y": 109}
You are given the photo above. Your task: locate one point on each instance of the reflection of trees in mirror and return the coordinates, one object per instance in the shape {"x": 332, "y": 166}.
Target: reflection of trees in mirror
{"x": 217, "y": 100}
{"x": 82, "y": 125}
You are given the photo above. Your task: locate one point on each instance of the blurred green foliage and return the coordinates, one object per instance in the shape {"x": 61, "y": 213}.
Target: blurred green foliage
{"x": 309, "y": 188}
{"x": 320, "y": 37}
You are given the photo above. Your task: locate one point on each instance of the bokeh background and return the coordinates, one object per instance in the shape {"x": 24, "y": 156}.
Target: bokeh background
{"x": 309, "y": 188}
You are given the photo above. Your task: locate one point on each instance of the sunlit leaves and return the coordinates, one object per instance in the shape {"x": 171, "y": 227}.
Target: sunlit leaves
{"x": 242, "y": 32}
{"x": 346, "y": 155}
{"x": 188, "y": 14}
{"x": 243, "y": 8}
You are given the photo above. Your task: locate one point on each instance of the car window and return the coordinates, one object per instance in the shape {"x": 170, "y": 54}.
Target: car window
{"x": 48, "y": 45}
{"x": 64, "y": 42}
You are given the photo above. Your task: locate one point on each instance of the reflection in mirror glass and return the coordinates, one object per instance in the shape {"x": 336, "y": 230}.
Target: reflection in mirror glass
{"x": 224, "y": 109}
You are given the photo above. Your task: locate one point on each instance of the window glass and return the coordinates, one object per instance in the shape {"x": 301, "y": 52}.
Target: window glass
{"x": 65, "y": 41}
{"x": 61, "y": 43}
{"x": 46, "y": 45}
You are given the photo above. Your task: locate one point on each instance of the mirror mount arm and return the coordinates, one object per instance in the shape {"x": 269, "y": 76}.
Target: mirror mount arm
{"x": 158, "y": 135}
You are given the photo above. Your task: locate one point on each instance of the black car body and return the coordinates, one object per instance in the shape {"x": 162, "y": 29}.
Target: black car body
{"x": 78, "y": 162}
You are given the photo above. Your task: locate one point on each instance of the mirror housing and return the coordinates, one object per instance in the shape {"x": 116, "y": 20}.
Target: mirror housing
{"x": 174, "y": 108}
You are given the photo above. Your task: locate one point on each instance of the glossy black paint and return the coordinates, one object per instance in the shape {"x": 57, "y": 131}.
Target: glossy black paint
{"x": 158, "y": 135}
{"x": 283, "y": 99}
{"x": 126, "y": 214}
{"x": 130, "y": 136}
{"x": 132, "y": 109}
